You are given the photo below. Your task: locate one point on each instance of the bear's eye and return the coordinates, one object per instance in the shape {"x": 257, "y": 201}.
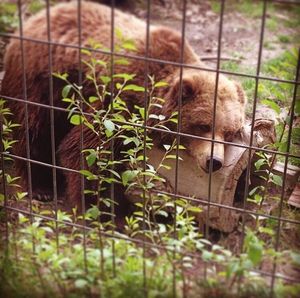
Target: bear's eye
{"x": 230, "y": 135}
{"x": 205, "y": 128}
{"x": 200, "y": 129}
{"x": 187, "y": 92}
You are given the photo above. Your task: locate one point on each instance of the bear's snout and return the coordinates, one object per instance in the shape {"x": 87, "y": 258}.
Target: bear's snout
{"x": 201, "y": 151}
{"x": 217, "y": 164}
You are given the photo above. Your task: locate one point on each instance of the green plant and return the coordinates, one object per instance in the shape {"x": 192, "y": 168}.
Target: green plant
{"x": 284, "y": 38}
{"x": 272, "y": 24}
{"x": 8, "y": 16}
{"x": 7, "y": 126}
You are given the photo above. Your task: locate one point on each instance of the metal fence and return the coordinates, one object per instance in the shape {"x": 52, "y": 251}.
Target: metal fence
{"x": 257, "y": 77}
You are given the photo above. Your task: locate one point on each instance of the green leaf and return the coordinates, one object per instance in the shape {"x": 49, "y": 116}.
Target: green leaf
{"x": 265, "y": 230}
{"x": 101, "y": 62}
{"x": 207, "y": 255}
{"x": 259, "y": 163}
{"x": 86, "y": 172}
{"x": 273, "y": 105}
{"x": 76, "y": 119}
{"x": 277, "y": 180}
{"x": 282, "y": 146}
{"x": 93, "y": 99}
{"x": 162, "y": 213}
{"x": 66, "y": 90}
{"x": 129, "y": 45}
{"x": 161, "y": 84}
{"x": 118, "y": 33}
{"x": 67, "y": 100}
{"x": 125, "y": 76}
{"x": 141, "y": 111}
{"x": 91, "y": 158}
{"x": 21, "y": 195}
{"x": 80, "y": 283}
{"x": 105, "y": 79}
{"x": 109, "y": 125}
{"x": 255, "y": 253}
{"x": 258, "y": 198}
{"x": 2, "y": 198}
{"x": 94, "y": 212}
{"x": 171, "y": 156}
{"x": 135, "y": 88}
{"x": 86, "y": 52}
{"x": 62, "y": 76}
{"x": 194, "y": 209}
{"x": 153, "y": 116}
{"x": 118, "y": 86}
{"x": 121, "y": 61}
{"x": 128, "y": 176}
{"x": 255, "y": 189}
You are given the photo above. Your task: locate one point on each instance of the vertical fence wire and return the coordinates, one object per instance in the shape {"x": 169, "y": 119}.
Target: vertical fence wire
{"x": 112, "y": 70}
{"x": 52, "y": 124}
{"x": 4, "y": 186}
{"x": 248, "y": 170}
{"x": 210, "y": 178}
{"x": 25, "y": 98}
{"x": 82, "y": 165}
{"x": 146, "y": 103}
{"x": 284, "y": 180}
{"x": 181, "y": 61}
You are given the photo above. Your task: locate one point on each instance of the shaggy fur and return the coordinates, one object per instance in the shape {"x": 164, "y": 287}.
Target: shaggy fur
{"x": 164, "y": 43}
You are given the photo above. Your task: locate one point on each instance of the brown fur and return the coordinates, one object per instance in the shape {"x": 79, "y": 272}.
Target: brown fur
{"x": 197, "y": 101}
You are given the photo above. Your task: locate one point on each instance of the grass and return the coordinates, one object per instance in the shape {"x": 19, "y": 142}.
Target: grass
{"x": 269, "y": 45}
{"x": 283, "y": 67}
{"x": 293, "y": 21}
{"x": 276, "y": 95}
{"x": 252, "y": 9}
{"x": 272, "y": 24}
{"x": 284, "y": 38}
{"x": 8, "y": 17}
{"x": 215, "y": 6}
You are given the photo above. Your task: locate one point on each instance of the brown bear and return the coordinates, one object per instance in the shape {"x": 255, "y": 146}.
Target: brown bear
{"x": 28, "y": 70}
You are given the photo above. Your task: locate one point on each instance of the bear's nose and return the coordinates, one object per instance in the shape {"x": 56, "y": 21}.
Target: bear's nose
{"x": 216, "y": 164}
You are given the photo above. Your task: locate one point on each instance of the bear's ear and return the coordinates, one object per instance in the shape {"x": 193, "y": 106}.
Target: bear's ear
{"x": 188, "y": 91}
{"x": 241, "y": 93}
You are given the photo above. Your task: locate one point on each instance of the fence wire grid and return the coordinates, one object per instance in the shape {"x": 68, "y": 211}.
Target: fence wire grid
{"x": 251, "y": 147}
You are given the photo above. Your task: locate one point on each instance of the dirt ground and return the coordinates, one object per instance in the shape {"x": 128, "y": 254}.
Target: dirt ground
{"x": 240, "y": 33}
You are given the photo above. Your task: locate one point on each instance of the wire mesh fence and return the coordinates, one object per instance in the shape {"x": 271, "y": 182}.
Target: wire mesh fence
{"x": 125, "y": 166}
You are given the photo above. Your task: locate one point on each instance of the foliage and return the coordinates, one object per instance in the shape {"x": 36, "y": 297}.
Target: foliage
{"x": 8, "y": 16}
{"x": 277, "y": 96}
{"x": 9, "y": 180}
{"x": 42, "y": 261}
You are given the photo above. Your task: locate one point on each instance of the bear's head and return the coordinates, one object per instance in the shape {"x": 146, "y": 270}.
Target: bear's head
{"x": 197, "y": 112}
